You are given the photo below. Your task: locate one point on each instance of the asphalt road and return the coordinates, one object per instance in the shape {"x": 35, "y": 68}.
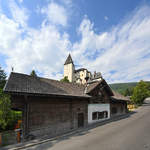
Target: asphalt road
{"x": 130, "y": 133}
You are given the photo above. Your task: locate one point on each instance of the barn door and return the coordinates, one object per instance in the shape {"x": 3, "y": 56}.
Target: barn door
{"x": 80, "y": 120}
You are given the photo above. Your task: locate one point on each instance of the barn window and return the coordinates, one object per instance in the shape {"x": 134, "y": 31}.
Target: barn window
{"x": 94, "y": 115}
{"x": 99, "y": 115}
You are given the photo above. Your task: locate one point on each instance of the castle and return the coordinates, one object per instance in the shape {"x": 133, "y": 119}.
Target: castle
{"x": 81, "y": 75}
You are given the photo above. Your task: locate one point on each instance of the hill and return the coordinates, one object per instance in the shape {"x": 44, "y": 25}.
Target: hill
{"x": 121, "y": 87}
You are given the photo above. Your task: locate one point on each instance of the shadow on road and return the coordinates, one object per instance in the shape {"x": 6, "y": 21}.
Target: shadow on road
{"x": 80, "y": 132}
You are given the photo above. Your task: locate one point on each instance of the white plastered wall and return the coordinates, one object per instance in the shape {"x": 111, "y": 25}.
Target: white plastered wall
{"x": 83, "y": 74}
{"x": 68, "y": 72}
{"x": 97, "y": 108}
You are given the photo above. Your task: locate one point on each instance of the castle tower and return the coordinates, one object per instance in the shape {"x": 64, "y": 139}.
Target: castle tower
{"x": 69, "y": 69}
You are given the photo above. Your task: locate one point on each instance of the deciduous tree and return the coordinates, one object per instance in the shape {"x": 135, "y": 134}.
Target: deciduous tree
{"x": 140, "y": 92}
{"x": 2, "y": 78}
{"x": 4, "y": 109}
{"x": 4, "y": 101}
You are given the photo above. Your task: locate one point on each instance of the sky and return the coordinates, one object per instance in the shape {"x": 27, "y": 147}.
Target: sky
{"x": 111, "y": 37}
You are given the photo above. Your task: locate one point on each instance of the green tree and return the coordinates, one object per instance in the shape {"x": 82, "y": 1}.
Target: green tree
{"x": 4, "y": 101}
{"x": 65, "y": 79}
{"x": 33, "y": 73}
{"x": 2, "y": 78}
{"x": 148, "y": 88}
{"x": 140, "y": 92}
{"x": 8, "y": 117}
{"x": 128, "y": 92}
{"x": 5, "y": 109}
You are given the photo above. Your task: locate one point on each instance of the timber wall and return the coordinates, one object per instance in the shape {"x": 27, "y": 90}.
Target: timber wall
{"x": 53, "y": 117}
{"x": 121, "y": 108}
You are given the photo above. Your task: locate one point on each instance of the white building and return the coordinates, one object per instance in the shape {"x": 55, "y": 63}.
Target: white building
{"x": 81, "y": 75}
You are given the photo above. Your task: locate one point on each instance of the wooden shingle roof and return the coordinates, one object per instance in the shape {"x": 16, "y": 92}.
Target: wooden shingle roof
{"x": 92, "y": 86}
{"x": 25, "y": 84}
{"x": 22, "y": 83}
{"x": 118, "y": 96}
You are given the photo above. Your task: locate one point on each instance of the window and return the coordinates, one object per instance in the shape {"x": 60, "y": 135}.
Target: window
{"x": 99, "y": 115}
{"x": 105, "y": 114}
{"x": 94, "y": 115}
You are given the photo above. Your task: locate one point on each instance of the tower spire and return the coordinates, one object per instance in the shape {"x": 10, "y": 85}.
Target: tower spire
{"x": 68, "y": 60}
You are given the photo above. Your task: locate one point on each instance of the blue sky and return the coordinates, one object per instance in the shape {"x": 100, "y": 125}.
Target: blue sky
{"x": 111, "y": 38}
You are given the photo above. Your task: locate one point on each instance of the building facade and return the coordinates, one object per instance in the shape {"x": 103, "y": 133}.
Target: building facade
{"x": 52, "y": 107}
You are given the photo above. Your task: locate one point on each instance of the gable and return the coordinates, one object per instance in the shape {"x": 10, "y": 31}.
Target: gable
{"x": 99, "y": 87}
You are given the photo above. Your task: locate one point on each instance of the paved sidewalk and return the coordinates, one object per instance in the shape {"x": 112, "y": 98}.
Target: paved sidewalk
{"x": 47, "y": 139}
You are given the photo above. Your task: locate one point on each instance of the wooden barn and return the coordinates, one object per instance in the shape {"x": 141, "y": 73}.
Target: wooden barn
{"x": 52, "y": 107}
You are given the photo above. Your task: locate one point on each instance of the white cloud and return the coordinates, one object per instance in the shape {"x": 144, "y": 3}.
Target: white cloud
{"x": 41, "y": 49}
{"x": 121, "y": 54}
{"x": 9, "y": 33}
{"x": 56, "y": 14}
{"x": 118, "y": 54}
{"x": 20, "y": 1}
{"x": 19, "y": 14}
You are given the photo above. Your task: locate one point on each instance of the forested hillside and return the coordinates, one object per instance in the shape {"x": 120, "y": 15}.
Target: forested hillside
{"x": 122, "y": 87}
